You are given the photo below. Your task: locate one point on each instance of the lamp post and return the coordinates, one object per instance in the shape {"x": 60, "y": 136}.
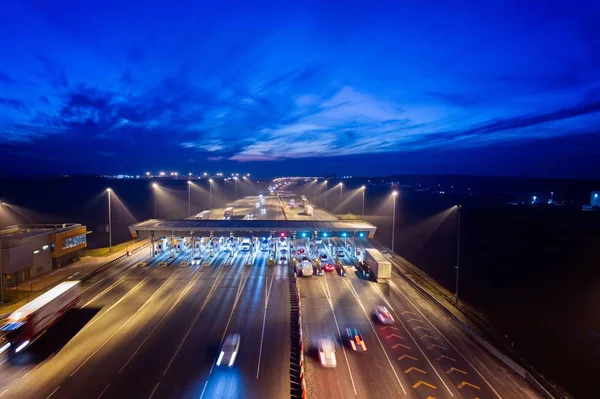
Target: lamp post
{"x": 363, "y": 188}
{"x": 155, "y": 187}
{"x": 341, "y": 192}
{"x": 326, "y": 181}
{"x": 189, "y": 198}
{"x": 395, "y": 194}
{"x": 210, "y": 181}
{"x": 235, "y": 179}
{"x": 109, "y": 191}
{"x": 458, "y": 208}
{"x": 1, "y": 269}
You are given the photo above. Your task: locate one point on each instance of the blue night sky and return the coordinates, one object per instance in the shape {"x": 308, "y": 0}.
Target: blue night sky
{"x": 363, "y": 88}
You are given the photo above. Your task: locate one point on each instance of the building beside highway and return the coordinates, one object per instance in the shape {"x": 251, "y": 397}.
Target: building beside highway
{"x": 26, "y": 251}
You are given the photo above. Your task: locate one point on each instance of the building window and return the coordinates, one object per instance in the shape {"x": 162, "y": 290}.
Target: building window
{"x": 74, "y": 241}
{"x": 37, "y": 251}
{"x": 45, "y": 247}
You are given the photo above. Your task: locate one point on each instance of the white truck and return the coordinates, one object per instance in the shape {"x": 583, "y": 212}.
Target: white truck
{"x": 28, "y": 322}
{"x": 246, "y": 243}
{"x": 204, "y": 215}
{"x": 308, "y": 210}
{"x": 161, "y": 245}
{"x": 380, "y": 267}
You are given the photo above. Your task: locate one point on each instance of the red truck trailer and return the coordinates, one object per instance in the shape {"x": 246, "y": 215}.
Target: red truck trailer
{"x": 31, "y": 320}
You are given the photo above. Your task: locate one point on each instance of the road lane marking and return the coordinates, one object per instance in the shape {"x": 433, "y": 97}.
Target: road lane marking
{"x": 181, "y": 295}
{"x": 408, "y": 370}
{"x": 451, "y": 369}
{"x": 358, "y": 300}
{"x": 403, "y": 346}
{"x": 129, "y": 293}
{"x": 104, "y": 390}
{"x": 124, "y": 324}
{"x": 430, "y": 337}
{"x": 330, "y": 302}
{"x": 377, "y": 290}
{"x": 3, "y": 392}
{"x": 104, "y": 291}
{"x": 408, "y": 357}
{"x": 154, "y": 390}
{"x": 466, "y": 384}
{"x": 208, "y": 297}
{"x": 53, "y": 392}
{"x": 436, "y": 346}
{"x": 445, "y": 357}
{"x": 394, "y": 335}
{"x": 36, "y": 367}
{"x": 203, "y": 389}
{"x": 419, "y": 383}
{"x": 446, "y": 339}
{"x": 262, "y": 336}
{"x": 235, "y": 303}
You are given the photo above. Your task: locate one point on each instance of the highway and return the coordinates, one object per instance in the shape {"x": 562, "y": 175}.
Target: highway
{"x": 156, "y": 332}
{"x": 422, "y": 355}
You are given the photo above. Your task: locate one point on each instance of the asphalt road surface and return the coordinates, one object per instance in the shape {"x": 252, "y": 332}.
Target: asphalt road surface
{"x": 156, "y": 332}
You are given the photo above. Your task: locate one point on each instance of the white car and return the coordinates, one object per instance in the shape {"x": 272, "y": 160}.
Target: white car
{"x": 384, "y": 315}
{"x": 229, "y": 350}
{"x": 327, "y": 353}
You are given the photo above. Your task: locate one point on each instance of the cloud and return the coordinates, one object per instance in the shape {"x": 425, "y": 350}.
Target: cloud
{"x": 12, "y": 103}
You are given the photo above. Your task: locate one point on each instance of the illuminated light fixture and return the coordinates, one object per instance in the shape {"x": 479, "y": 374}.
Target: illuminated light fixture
{"x": 147, "y": 173}
{"x": 5, "y": 347}
{"x": 210, "y": 180}
{"x": 361, "y": 235}
{"x": 395, "y": 193}
{"x": 324, "y": 234}
{"x": 154, "y": 185}
{"x": 204, "y": 174}
{"x": 20, "y": 347}
{"x": 220, "y": 358}
{"x": 282, "y": 234}
{"x": 343, "y": 234}
{"x": 108, "y": 190}
{"x": 303, "y": 234}
{"x": 596, "y": 195}
{"x": 189, "y": 182}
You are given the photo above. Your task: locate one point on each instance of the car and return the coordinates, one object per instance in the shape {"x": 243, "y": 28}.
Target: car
{"x": 323, "y": 256}
{"x": 257, "y": 205}
{"x": 357, "y": 343}
{"x": 250, "y": 216}
{"x": 304, "y": 258}
{"x": 282, "y": 260}
{"x": 340, "y": 254}
{"x": 263, "y": 211}
{"x": 319, "y": 241}
{"x": 384, "y": 315}
{"x": 196, "y": 261}
{"x": 301, "y": 251}
{"x": 326, "y": 349}
{"x": 328, "y": 267}
{"x": 229, "y": 350}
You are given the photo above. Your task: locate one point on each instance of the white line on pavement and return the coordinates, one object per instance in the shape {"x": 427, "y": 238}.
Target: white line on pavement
{"x": 203, "y": 389}
{"x": 53, "y": 392}
{"x": 446, "y": 339}
{"x": 154, "y": 390}
{"x": 330, "y": 301}
{"x": 104, "y": 390}
{"x": 262, "y": 336}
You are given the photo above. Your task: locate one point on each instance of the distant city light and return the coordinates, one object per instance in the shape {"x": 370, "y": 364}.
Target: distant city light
{"x": 204, "y": 174}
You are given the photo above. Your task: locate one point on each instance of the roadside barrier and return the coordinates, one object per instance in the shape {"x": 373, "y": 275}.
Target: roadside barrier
{"x": 298, "y": 380}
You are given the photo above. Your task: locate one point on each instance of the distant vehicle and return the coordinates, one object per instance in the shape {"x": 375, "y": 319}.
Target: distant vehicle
{"x": 282, "y": 260}
{"x": 384, "y": 315}
{"x": 308, "y": 210}
{"x": 381, "y": 267}
{"x": 229, "y": 350}
{"x": 340, "y": 254}
{"x": 305, "y": 268}
{"x": 282, "y": 242}
{"x": 250, "y": 216}
{"x": 257, "y": 205}
{"x": 327, "y": 353}
{"x": 301, "y": 251}
{"x": 228, "y": 212}
{"x": 161, "y": 245}
{"x": 323, "y": 256}
{"x": 318, "y": 241}
{"x": 328, "y": 267}
{"x": 292, "y": 203}
{"x": 357, "y": 343}
{"x": 196, "y": 261}
{"x": 246, "y": 244}
{"x": 202, "y": 215}
{"x": 264, "y": 245}
{"x": 28, "y": 322}
{"x": 304, "y": 259}
{"x": 263, "y": 211}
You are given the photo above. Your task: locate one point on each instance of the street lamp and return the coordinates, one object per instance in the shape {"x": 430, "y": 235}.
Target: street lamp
{"x": 363, "y": 188}
{"x": 189, "y": 198}
{"x": 155, "y": 187}
{"x": 326, "y": 194}
{"x": 458, "y": 208}
{"x": 235, "y": 182}
{"x": 395, "y": 194}
{"x": 1, "y": 268}
{"x": 210, "y": 181}
{"x": 341, "y": 192}
{"x": 108, "y": 191}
